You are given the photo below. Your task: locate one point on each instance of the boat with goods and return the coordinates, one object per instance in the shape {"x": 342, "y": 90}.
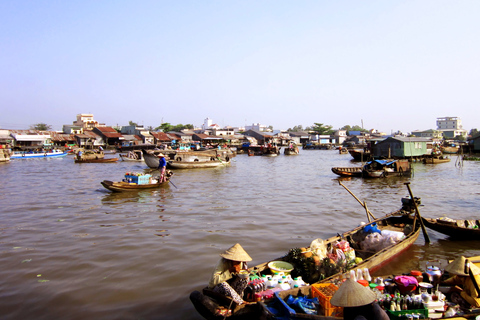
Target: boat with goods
{"x": 38, "y": 154}
{"x": 291, "y": 149}
{"x": 136, "y": 181}
{"x": 92, "y": 156}
{"x": 371, "y": 246}
{"x": 434, "y": 159}
{"x": 190, "y": 159}
{"x": 457, "y": 229}
{"x": 134, "y": 155}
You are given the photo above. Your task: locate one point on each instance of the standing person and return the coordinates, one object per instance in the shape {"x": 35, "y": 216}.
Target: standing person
{"x": 162, "y": 164}
{"x": 226, "y": 278}
{"x": 464, "y": 289}
{"x": 358, "y": 302}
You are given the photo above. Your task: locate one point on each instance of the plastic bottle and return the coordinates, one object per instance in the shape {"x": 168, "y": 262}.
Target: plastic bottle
{"x": 359, "y": 274}
{"x": 352, "y": 275}
{"x": 366, "y": 275}
{"x": 283, "y": 285}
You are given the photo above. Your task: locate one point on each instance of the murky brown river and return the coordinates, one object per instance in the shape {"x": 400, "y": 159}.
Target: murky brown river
{"x": 72, "y": 250}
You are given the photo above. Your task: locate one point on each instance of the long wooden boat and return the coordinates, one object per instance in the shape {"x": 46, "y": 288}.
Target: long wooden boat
{"x": 210, "y": 158}
{"x": 103, "y": 160}
{"x": 348, "y": 171}
{"x": 359, "y": 154}
{"x": 4, "y": 155}
{"x": 400, "y": 221}
{"x": 41, "y": 154}
{"x": 122, "y": 186}
{"x": 458, "y": 229}
{"x": 172, "y": 164}
{"x": 435, "y": 159}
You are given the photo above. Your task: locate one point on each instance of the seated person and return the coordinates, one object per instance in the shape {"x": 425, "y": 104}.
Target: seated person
{"x": 225, "y": 278}
{"x": 358, "y": 302}
{"x": 463, "y": 291}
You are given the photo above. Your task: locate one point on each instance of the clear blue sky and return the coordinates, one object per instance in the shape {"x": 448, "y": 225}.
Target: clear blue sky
{"x": 396, "y": 65}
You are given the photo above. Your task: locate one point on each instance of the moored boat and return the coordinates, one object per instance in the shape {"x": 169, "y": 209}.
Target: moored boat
{"x": 210, "y": 158}
{"x": 457, "y": 229}
{"x": 291, "y": 149}
{"x": 434, "y": 159}
{"x": 172, "y": 164}
{"x": 37, "y": 154}
{"x": 4, "y": 155}
{"x": 348, "y": 171}
{"x": 135, "y": 182}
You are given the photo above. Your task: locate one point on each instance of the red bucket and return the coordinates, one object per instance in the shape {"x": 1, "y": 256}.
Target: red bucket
{"x": 406, "y": 284}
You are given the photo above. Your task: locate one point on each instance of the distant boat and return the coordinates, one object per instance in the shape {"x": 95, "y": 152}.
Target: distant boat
{"x": 122, "y": 186}
{"x": 135, "y": 155}
{"x": 291, "y": 150}
{"x": 435, "y": 159}
{"x": 348, "y": 171}
{"x": 386, "y": 168}
{"x": 102, "y": 160}
{"x": 4, "y": 155}
{"x": 37, "y": 154}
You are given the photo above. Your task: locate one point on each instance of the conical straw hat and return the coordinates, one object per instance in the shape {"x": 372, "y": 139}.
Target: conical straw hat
{"x": 352, "y": 294}
{"x": 457, "y": 266}
{"x": 236, "y": 253}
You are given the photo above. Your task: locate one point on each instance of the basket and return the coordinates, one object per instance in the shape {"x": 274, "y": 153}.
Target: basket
{"x": 280, "y": 266}
{"x": 398, "y": 315}
{"x": 318, "y": 291}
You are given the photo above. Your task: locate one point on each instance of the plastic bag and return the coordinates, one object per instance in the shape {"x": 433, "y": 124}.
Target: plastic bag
{"x": 319, "y": 248}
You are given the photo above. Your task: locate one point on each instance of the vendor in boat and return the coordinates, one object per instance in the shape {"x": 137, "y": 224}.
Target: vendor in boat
{"x": 162, "y": 165}
{"x": 358, "y": 302}
{"x": 464, "y": 290}
{"x": 228, "y": 278}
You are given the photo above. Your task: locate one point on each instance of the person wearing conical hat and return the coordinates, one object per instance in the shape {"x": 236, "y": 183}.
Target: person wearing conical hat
{"x": 464, "y": 289}
{"x": 227, "y": 278}
{"x": 358, "y": 302}
{"x": 162, "y": 165}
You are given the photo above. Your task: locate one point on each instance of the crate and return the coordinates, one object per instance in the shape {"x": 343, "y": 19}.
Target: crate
{"x": 397, "y": 315}
{"x": 327, "y": 309}
{"x": 145, "y": 179}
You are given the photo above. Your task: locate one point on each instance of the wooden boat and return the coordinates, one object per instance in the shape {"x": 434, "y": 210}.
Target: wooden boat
{"x": 123, "y": 186}
{"x": 291, "y": 151}
{"x": 4, "y": 155}
{"x": 194, "y": 159}
{"x": 267, "y": 151}
{"x": 172, "y": 164}
{"x": 452, "y": 148}
{"x": 435, "y": 159}
{"x": 37, "y": 154}
{"x": 386, "y": 168}
{"x": 102, "y": 160}
{"x": 348, "y": 171}
{"x": 359, "y": 154}
{"x": 134, "y": 155}
{"x": 206, "y": 303}
{"x": 458, "y": 229}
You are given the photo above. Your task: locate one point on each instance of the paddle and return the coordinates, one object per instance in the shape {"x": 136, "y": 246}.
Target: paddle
{"x": 425, "y": 234}
{"x": 362, "y": 203}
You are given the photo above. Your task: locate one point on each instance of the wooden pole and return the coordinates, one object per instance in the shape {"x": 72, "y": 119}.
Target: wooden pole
{"x": 362, "y": 203}
{"x": 425, "y": 234}
{"x": 366, "y": 210}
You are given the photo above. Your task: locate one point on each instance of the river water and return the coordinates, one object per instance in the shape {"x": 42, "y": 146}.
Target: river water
{"x": 70, "y": 249}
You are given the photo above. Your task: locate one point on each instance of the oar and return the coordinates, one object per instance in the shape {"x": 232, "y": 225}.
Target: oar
{"x": 425, "y": 234}
{"x": 221, "y": 161}
{"x": 172, "y": 183}
{"x": 362, "y": 203}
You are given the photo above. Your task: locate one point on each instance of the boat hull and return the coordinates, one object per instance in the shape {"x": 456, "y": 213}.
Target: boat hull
{"x": 124, "y": 186}
{"x": 453, "y": 230}
{"x": 195, "y": 164}
{"x": 348, "y": 171}
{"x": 26, "y": 155}
{"x": 104, "y": 160}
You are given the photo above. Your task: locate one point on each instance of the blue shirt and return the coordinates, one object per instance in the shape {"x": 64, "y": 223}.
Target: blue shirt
{"x": 162, "y": 162}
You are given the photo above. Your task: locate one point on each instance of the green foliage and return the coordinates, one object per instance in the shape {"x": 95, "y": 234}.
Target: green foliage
{"x": 167, "y": 127}
{"x": 473, "y": 132}
{"x": 131, "y": 123}
{"x": 354, "y": 128}
{"x": 296, "y": 128}
{"x": 41, "y": 126}
{"x": 322, "y": 129}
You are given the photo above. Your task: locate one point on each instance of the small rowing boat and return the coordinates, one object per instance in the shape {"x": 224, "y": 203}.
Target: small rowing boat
{"x": 102, "y": 160}
{"x": 127, "y": 185}
{"x": 348, "y": 171}
{"x": 458, "y": 229}
{"x": 434, "y": 159}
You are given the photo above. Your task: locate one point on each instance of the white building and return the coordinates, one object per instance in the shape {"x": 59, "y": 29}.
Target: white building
{"x": 451, "y": 127}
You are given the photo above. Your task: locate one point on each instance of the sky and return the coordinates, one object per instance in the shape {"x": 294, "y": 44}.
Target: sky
{"x": 385, "y": 65}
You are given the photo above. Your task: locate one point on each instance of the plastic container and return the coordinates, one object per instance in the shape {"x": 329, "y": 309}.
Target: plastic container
{"x": 280, "y": 266}
{"x": 397, "y": 315}
{"x": 324, "y": 293}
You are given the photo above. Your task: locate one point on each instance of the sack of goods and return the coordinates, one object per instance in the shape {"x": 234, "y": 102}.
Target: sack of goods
{"x": 377, "y": 241}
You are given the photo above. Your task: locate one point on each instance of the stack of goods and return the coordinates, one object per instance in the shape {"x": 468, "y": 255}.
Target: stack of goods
{"x": 376, "y": 240}
{"x": 137, "y": 178}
